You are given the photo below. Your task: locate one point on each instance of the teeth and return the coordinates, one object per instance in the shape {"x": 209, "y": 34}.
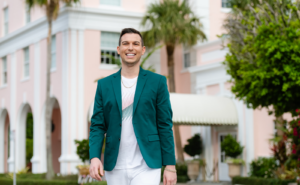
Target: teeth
{"x": 130, "y": 54}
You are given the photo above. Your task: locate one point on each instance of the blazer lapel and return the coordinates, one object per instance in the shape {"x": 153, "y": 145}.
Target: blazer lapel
{"x": 139, "y": 87}
{"x": 116, "y": 82}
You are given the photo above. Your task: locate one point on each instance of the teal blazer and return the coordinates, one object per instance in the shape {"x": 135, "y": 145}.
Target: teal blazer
{"x": 152, "y": 120}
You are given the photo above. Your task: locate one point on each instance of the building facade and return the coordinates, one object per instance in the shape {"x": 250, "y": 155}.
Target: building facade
{"x": 82, "y": 35}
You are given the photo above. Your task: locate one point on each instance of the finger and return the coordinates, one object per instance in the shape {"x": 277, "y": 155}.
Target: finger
{"x": 101, "y": 170}
{"x": 165, "y": 182}
{"x": 96, "y": 173}
{"x": 91, "y": 172}
{"x": 168, "y": 182}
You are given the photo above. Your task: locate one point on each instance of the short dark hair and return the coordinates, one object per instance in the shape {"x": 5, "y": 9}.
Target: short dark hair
{"x": 130, "y": 30}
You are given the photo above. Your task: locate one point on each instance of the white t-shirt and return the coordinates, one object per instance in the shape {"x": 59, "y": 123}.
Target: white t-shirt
{"x": 129, "y": 152}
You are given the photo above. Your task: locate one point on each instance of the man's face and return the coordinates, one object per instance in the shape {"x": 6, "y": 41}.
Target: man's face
{"x": 131, "y": 49}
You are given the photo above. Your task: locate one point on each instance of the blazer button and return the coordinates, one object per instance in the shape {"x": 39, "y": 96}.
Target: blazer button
{"x": 120, "y": 125}
{"x": 119, "y": 139}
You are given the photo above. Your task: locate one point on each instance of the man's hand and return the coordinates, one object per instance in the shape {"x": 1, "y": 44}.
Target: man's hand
{"x": 170, "y": 178}
{"x": 95, "y": 167}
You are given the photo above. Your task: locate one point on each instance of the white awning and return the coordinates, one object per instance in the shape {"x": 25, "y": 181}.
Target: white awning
{"x": 192, "y": 109}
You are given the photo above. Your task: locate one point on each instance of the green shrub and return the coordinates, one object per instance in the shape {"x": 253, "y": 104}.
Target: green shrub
{"x": 5, "y": 181}
{"x": 231, "y": 147}
{"x": 263, "y": 167}
{"x": 194, "y": 146}
{"x": 41, "y": 176}
{"x": 259, "y": 181}
{"x": 83, "y": 149}
{"x": 98, "y": 183}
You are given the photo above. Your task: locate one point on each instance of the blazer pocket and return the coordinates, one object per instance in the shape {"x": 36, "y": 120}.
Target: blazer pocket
{"x": 153, "y": 138}
{"x": 107, "y": 139}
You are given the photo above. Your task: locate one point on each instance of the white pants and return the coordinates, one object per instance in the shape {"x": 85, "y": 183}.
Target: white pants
{"x": 140, "y": 175}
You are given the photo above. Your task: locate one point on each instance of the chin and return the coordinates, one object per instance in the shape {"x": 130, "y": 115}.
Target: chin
{"x": 131, "y": 63}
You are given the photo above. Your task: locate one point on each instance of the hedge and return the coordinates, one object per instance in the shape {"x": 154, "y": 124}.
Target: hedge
{"x": 41, "y": 176}
{"x": 5, "y": 181}
{"x": 259, "y": 181}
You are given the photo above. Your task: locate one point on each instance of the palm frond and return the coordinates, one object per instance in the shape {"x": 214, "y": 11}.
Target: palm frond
{"x": 149, "y": 54}
{"x": 171, "y": 22}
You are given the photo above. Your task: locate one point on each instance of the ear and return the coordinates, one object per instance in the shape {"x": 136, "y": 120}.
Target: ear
{"x": 143, "y": 50}
{"x": 118, "y": 49}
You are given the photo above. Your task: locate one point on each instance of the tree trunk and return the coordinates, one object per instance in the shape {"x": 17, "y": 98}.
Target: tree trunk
{"x": 280, "y": 154}
{"x": 179, "y": 149}
{"x": 50, "y": 171}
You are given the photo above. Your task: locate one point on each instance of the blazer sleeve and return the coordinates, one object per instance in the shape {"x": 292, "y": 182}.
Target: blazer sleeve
{"x": 97, "y": 129}
{"x": 164, "y": 123}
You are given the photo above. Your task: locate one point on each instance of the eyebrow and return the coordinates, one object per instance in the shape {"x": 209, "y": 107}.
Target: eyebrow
{"x": 134, "y": 41}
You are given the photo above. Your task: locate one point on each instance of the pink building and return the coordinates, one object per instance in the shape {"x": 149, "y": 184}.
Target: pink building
{"x": 81, "y": 35}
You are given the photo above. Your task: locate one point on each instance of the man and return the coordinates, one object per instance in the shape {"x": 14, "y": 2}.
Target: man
{"x": 133, "y": 108}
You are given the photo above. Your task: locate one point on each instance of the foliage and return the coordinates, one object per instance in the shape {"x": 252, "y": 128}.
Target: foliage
{"x": 20, "y": 172}
{"x": 29, "y": 137}
{"x": 38, "y": 176}
{"x": 284, "y": 173}
{"x": 29, "y": 126}
{"x": 194, "y": 146}
{"x": 236, "y": 161}
{"x": 51, "y": 8}
{"x": 260, "y": 181}
{"x": 263, "y": 167}
{"x": 83, "y": 149}
{"x": 29, "y": 150}
{"x": 171, "y": 22}
{"x": 264, "y": 56}
{"x": 4, "y": 181}
{"x": 98, "y": 183}
{"x": 181, "y": 170}
{"x": 231, "y": 147}
{"x": 294, "y": 135}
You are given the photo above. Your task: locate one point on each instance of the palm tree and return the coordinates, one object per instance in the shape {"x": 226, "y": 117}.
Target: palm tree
{"x": 172, "y": 22}
{"x": 52, "y": 10}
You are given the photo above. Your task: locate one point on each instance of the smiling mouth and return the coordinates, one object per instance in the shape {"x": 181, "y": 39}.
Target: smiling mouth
{"x": 130, "y": 54}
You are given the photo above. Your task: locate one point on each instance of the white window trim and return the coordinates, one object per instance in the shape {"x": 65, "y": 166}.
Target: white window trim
{"x": 27, "y": 14}
{"x": 53, "y": 51}
{"x": 105, "y": 6}
{"x": 183, "y": 59}
{"x": 5, "y": 22}
{"x": 104, "y": 65}
{"x": 226, "y": 10}
{"x": 26, "y": 62}
{"x": 25, "y": 79}
{"x": 3, "y": 71}
{"x": 3, "y": 86}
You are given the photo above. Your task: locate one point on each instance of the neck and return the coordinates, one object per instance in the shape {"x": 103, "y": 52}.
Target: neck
{"x": 130, "y": 71}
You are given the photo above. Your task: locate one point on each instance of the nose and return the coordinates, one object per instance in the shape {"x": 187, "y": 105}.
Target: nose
{"x": 130, "y": 46}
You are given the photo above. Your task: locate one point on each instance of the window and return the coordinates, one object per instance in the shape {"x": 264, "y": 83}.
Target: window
{"x": 226, "y": 4}
{"x": 5, "y": 20}
{"x": 26, "y": 62}
{"x": 187, "y": 60}
{"x": 4, "y": 71}
{"x": 111, "y": 2}
{"x": 53, "y": 52}
{"x": 27, "y": 14}
{"x": 109, "y": 43}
